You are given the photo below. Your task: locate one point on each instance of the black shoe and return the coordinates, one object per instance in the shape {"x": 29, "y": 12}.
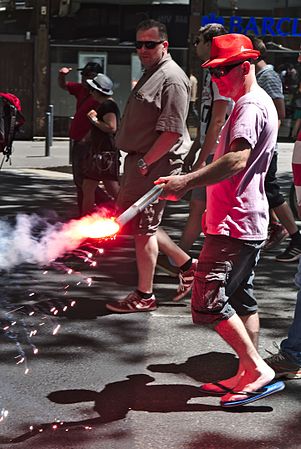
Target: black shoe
{"x": 291, "y": 254}
{"x": 165, "y": 265}
{"x": 283, "y": 366}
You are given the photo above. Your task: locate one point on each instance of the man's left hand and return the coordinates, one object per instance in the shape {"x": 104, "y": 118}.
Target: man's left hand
{"x": 188, "y": 162}
{"x": 174, "y": 187}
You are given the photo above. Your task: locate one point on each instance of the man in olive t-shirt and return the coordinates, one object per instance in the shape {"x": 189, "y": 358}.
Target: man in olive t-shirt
{"x": 154, "y": 135}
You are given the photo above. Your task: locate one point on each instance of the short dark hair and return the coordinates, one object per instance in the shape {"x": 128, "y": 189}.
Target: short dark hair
{"x": 150, "y": 23}
{"x": 211, "y": 30}
{"x": 259, "y": 45}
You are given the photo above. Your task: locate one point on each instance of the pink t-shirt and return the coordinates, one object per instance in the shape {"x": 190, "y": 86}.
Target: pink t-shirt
{"x": 237, "y": 207}
{"x": 80, "y": 125}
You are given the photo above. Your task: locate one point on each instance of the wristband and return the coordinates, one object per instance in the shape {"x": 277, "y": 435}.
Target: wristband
{"x": 142, "y": 166}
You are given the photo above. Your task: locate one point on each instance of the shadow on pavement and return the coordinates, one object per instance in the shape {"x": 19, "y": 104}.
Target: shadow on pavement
{"x": 118, "y": 398}
{"x": 209, "y": 367}
{"x": 34, "y": 193}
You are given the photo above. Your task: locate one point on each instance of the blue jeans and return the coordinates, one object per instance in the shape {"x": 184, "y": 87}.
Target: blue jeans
{"x": 292, "y": 344}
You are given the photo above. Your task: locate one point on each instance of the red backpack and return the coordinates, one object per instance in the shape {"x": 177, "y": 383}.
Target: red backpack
{"x": 11, "y": 119}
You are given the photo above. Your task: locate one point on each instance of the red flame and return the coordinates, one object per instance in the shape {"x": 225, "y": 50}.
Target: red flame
{"x": 95, "y": 227}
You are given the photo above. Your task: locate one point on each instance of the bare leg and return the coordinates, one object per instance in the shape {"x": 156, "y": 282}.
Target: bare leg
{"x": 296, "y": 127}
{"x": 171, "y": 249}
{"x": 273, "y": 216}
{"x": 251, "y": 323}
{"x": 253, "y": 372}
{"x": 146, "y": 253}
{"x": 88, "y": 188}
{"x": 112, "y": 187}
{"x": 286, "y": 218}
{"x": 193, "y": 227}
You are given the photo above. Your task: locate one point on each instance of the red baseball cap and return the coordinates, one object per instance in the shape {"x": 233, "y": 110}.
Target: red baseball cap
{"x": 229, "y": 49}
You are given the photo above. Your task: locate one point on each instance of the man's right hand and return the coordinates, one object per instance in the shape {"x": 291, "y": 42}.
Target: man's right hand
{"x": 92, "y": 115}
{"x": 65, "y": 70}
{"x": 174, "y": 187}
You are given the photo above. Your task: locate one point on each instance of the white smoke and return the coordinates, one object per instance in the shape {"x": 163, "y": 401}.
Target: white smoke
{"x": 34, "y": 240}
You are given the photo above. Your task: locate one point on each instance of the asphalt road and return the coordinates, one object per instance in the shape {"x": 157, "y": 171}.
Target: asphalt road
{"x": 109, "y": 381}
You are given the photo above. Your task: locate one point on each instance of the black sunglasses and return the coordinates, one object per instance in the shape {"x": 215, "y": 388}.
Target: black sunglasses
{"x": 150, "y": 45}
{"x": 89, "y": 75}
{"x": 218, "y": 72}
{"x": 196, "y": 41}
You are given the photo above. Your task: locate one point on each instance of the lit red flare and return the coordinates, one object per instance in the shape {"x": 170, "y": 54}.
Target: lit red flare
{"x": 95, "y": 227}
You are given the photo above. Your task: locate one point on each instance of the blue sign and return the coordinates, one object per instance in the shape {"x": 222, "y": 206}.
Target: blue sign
{"x": 259, "y": 26}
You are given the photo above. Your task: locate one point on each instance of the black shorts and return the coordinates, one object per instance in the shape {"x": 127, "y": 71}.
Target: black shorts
{"x": 272, "y": 188}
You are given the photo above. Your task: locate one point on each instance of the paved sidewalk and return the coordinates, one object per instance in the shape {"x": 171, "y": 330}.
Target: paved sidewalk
{"x": 31, "y": 154}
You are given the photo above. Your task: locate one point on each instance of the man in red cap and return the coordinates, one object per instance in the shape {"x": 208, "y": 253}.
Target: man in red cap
{"x": 236, "y": 220}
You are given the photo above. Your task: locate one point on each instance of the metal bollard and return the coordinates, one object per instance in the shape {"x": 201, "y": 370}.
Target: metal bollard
{"x": 70, "y": 150}
{"x": 50, "y": 108}
{"x": 70, "y": 142}
{"x": 47, "y": 136}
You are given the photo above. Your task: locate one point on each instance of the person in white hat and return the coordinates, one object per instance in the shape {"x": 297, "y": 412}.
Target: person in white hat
{"x": 104, "y": 123}
{"x": 80, "y": 125}
{"x": 236, "y": 220}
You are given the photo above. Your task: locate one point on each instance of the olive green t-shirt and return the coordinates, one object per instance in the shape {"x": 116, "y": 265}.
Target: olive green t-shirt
{"x": 159, "y": 102}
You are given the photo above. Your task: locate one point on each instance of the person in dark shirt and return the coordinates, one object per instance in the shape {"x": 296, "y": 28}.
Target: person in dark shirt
{"x": 104, "y": 122}
{"x": 80, "y": 125}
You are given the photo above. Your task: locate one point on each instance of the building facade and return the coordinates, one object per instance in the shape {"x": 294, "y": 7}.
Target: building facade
{"x": 37, "y": 37}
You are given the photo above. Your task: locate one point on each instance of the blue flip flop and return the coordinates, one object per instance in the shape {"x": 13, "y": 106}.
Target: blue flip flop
{"x": 267, "y": 390}
{"x": 222, "y": 392}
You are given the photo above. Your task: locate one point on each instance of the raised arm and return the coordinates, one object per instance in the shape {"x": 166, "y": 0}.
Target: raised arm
{"x": 63, "y": 72}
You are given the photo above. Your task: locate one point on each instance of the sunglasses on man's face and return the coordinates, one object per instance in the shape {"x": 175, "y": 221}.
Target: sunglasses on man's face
{"x": 219, "y": 72}
{"x": 89, "y": 75}
{"x": 196, "y": 41}
{"x": 150, "y": 45}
